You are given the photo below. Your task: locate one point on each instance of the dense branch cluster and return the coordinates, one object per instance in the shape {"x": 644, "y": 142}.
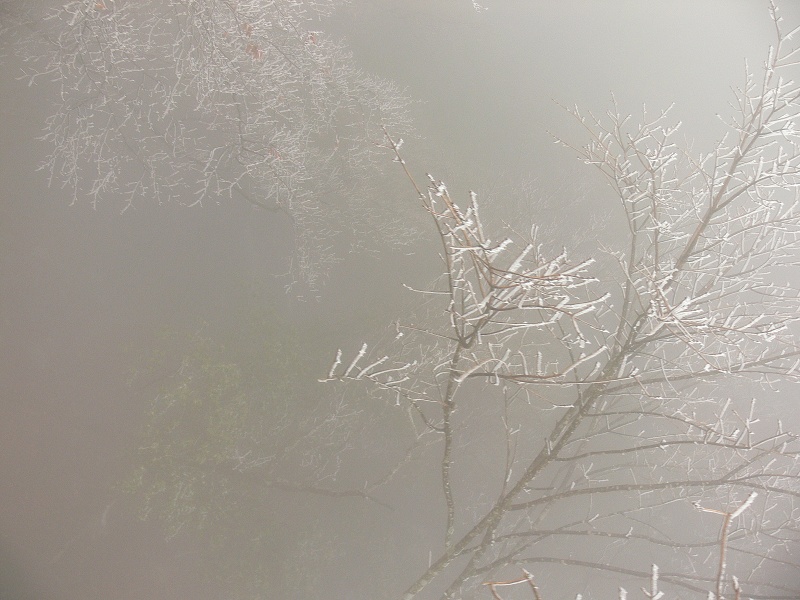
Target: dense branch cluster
{"x": 199, "y": 100}
{"x": 614, "y": 382}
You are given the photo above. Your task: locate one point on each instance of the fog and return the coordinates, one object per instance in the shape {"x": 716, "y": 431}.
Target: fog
{"x": 100, "y": 308}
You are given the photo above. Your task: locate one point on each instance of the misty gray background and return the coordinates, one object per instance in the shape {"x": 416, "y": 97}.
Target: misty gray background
{"x": 82, "y": 292}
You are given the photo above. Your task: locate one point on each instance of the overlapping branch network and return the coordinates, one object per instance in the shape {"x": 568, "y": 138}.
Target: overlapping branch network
{"x": 620, "y": 383}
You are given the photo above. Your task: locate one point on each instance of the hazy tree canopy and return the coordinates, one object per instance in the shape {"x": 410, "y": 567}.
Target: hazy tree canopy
{"x": 200, "y": 101}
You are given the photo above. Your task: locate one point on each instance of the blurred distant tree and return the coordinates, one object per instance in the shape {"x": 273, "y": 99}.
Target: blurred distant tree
{"x": 591, "y": 414}
{"x": 200, "y": 100}
{"x": 237, "y": 436}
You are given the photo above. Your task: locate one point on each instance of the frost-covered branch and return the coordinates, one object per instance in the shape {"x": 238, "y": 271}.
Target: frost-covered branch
{"x": 611, "y": 384}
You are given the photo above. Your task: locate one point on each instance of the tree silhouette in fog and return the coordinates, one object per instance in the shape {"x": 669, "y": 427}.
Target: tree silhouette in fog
{"x": 199, "y": 101}
{"x": 590, "y": 415}
{"x": 620, "y": 395}
{"x": 238, "y": 446}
